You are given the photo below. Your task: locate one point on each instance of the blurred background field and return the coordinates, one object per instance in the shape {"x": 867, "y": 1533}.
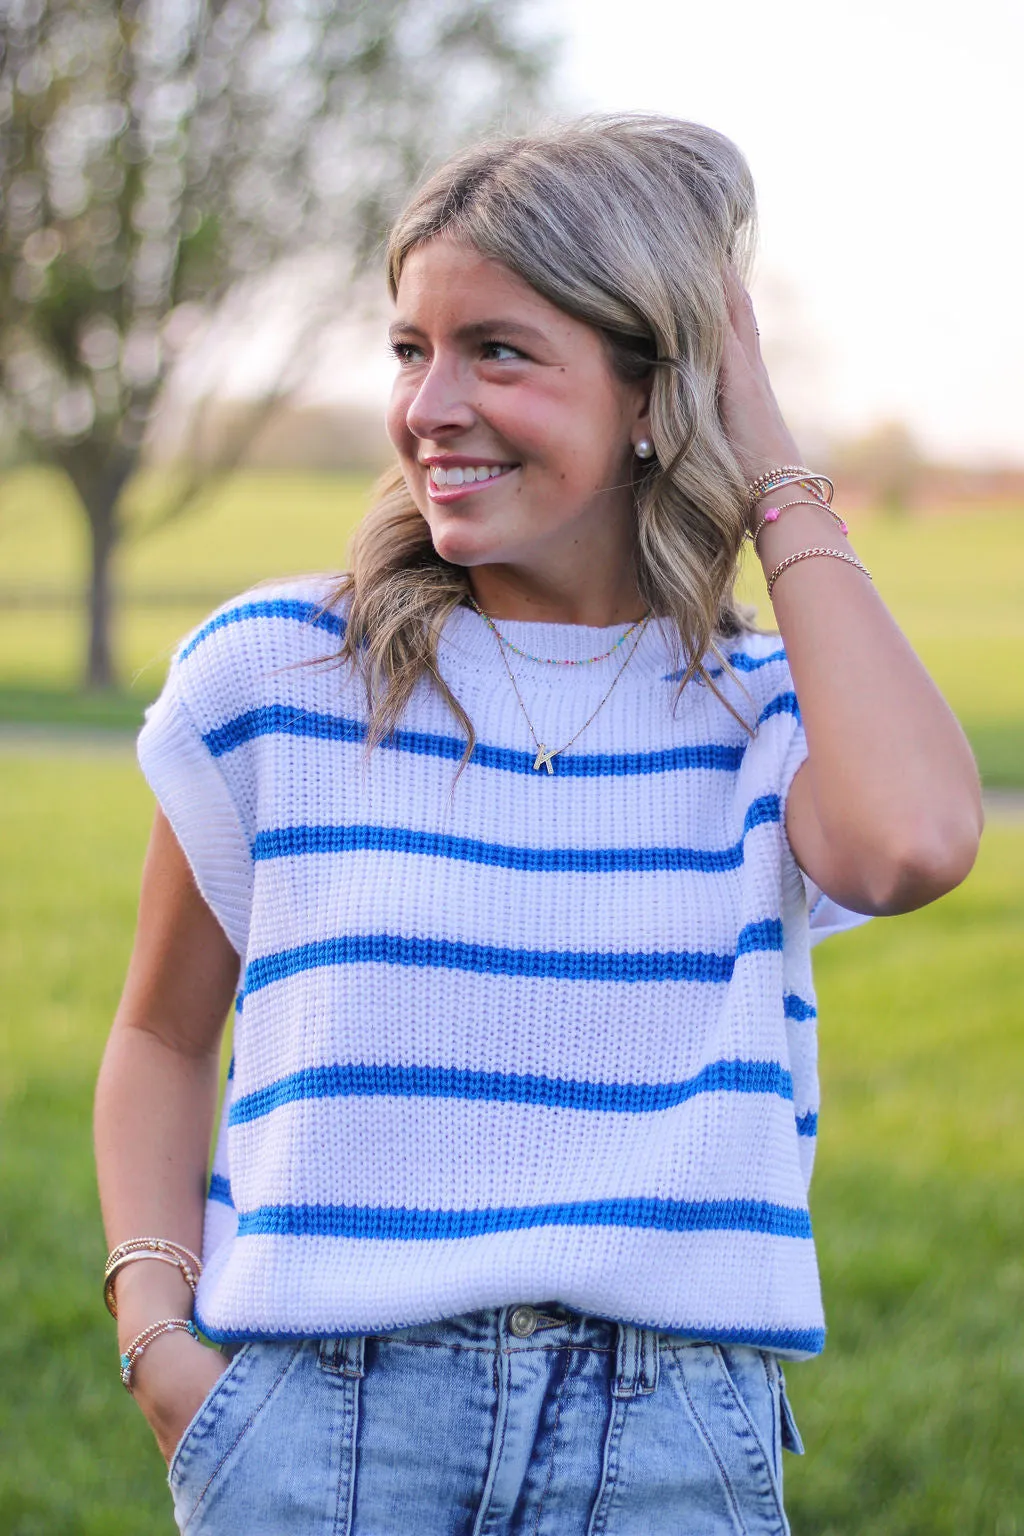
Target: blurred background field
{"x": 955, "y": 580}
{"x": 912, "y": 1417}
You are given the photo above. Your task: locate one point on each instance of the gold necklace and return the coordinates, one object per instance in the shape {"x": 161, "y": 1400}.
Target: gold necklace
{"x": 555, "y": 661}
{"x": 546, "y": 755}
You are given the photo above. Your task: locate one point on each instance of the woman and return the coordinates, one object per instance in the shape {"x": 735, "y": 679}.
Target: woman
{"x": 508, "y": 1229}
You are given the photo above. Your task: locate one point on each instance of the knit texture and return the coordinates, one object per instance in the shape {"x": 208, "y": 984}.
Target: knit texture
{"x": 511, "y": 1037}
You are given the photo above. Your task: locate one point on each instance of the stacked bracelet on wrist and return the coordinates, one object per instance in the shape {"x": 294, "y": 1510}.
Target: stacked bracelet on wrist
{"x": 789, "y": 474}
{"x": 142, "y": 1341}
{"x": 159, "y": 1248}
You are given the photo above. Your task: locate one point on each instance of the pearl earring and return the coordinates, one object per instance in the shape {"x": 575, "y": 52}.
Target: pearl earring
{"x": 645, "y": 449}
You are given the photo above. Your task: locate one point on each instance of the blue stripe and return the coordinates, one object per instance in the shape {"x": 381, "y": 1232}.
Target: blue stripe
{"x": 807, "y": 1125}
{"x": 740, "y": 661}
{"x": 220, "y": 1190}
{"x": 782, "y": 704}
{"x": 400, "y": 1224}
{"x": 807, "y": 1341}
{"x": 292, "y": 842}
{"x": 491, "y": 960}
{"x": 271, "y": 608}
{"x": 796, "y": 1008}
{"x": 368, "y": 1079}
{"x": 285, "y": 719}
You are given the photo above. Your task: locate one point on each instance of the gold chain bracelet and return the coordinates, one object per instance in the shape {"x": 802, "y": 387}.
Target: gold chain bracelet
{"x": 810, "y": 554}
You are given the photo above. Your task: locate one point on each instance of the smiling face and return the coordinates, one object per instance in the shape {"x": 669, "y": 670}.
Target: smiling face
{"x": 515, "y": 435}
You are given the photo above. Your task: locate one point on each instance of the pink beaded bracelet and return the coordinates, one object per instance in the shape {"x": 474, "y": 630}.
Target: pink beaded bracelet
{"x": 772, "y": 515}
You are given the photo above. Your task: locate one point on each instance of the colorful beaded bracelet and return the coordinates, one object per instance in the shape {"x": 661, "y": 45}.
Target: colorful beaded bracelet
{"x": 142, "y": 1341}
{"x": 136, "y": 1248}
{"x": 789, "y": 474}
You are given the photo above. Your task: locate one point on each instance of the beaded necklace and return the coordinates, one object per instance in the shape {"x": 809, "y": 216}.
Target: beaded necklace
{"x": 556, "y": 661}
{"x": 546, "y": 755}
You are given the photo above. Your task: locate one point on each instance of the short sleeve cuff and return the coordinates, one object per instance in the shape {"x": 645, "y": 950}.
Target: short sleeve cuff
{"x": 195, "y": 799}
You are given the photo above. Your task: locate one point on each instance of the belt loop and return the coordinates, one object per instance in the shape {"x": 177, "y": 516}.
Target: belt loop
{"x": 343, "y": 1356}
{"x": 352, "y": 1361}
{"x": 649, "y": 1360}
{"x": 636, "y": 1361}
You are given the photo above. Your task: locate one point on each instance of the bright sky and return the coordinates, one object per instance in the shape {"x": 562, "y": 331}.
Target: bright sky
{"x": 886, "y": 139}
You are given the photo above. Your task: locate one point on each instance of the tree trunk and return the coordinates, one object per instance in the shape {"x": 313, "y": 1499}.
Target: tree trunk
{"x": 99, "y": 669}
{"x": 98, "y": 473}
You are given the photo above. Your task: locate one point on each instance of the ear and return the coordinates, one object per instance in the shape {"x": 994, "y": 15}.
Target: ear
{"x": 640, "y": 428}
{"x": 641, "y": 433}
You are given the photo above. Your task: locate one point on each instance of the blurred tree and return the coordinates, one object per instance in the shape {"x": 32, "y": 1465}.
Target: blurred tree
{"x": 886, "y": 462}
{"x": 155, "y": 152}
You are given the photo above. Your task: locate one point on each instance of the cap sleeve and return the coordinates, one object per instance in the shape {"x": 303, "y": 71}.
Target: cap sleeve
{"x": 765, "y": 663}
{"x": 195, "y": 796}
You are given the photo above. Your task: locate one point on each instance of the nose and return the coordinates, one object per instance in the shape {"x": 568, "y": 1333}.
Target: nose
{"x": 441, "y": 406}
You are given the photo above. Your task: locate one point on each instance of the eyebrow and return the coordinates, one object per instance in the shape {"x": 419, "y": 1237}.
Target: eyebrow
{"x": 480, "y": 330}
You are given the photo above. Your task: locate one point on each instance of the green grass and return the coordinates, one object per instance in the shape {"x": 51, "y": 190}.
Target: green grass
{"x": 955, "y": 582}
{"x": 912, "y": 1417}
{"x": 956, "y": 585}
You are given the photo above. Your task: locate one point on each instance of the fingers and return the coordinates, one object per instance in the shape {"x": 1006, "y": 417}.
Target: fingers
{"x": 741, "y": 307}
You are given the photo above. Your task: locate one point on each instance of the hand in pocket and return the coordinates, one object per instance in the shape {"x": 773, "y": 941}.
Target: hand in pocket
{"x": 170, "y": 1381}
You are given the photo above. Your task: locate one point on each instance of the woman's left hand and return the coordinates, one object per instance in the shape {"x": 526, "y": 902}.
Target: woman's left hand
{"x": 749, "y": 410}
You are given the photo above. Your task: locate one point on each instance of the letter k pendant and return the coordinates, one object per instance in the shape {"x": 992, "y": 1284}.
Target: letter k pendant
{"x": 543, "y": 758}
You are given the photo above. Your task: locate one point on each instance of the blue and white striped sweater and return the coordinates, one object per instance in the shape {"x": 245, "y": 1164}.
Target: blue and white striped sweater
{"x": 528, "y": 1037}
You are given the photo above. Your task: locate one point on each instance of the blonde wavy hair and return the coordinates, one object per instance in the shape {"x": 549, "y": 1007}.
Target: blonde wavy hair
{"x": 626, "y": 223}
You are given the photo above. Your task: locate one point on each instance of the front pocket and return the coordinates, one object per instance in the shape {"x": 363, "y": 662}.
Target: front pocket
{"x": 270, "y": 1451}
{"x": 208, "y": 1406}
{"x": 753, "y": 1376}
{"x": 731, "y": 1403}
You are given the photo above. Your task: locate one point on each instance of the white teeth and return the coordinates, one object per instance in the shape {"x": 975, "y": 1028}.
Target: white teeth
{"x": 467, "y": 476}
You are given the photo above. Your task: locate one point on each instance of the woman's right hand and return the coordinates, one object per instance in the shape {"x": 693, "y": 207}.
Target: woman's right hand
{"x": 169, "y": 1381}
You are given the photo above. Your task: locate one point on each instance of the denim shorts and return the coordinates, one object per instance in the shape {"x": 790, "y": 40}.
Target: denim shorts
{"x": 525, "y": 1421}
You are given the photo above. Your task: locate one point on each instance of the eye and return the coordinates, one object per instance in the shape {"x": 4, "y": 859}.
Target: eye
{"x": 500, "y": 352}
{"x": 405, "y": 351}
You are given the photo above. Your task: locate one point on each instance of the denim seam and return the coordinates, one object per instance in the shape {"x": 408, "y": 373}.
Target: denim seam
{"x": 608, "y": 1488}
{"x": 343, "y": 1509}
{"x": 752, "y": 1430}
{"x": 483, "y": 1520}
{"x": 554, "y": 1446}
{"x": 487, "y": 1349}
{"x": 773, "y": 1388}
{"x": 706, "y": 1436}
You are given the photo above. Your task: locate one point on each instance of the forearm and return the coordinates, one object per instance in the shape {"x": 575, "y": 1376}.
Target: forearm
{"x": 155, "y": 1105}
{"x": 892, "y": 778}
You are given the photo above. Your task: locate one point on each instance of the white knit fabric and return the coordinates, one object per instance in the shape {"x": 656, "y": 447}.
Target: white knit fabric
{"x": 511, "y": 1037}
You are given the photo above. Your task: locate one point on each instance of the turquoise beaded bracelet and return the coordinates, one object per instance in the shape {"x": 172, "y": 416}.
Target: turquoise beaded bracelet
{"x": 142, "y": 1341}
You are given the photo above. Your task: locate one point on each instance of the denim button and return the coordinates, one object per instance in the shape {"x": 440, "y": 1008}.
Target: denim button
{"x": 523, "y": 1322}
